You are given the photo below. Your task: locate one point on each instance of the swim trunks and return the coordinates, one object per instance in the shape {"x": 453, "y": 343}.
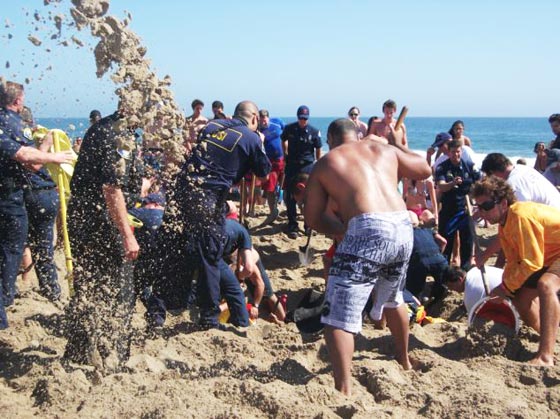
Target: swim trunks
{"x": 269, "y": 185}
{"x": 373, "y": 255}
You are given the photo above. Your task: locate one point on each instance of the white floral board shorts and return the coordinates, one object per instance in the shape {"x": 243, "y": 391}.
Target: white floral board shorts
{"x": 373, "y": 255}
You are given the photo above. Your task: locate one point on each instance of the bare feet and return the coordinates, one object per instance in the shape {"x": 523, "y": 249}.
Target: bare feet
{"x": 541, "y": 361}
{"x": 404, "y": 361}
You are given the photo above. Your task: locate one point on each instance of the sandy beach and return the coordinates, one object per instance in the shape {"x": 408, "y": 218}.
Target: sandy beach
{"x": 273, "y": 371}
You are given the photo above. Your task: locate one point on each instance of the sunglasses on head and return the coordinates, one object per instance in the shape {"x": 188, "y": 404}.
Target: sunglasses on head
{"x": 487, "y": 205}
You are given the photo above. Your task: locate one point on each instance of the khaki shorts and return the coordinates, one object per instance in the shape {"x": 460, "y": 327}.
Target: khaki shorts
{"x": 533, "y": 280}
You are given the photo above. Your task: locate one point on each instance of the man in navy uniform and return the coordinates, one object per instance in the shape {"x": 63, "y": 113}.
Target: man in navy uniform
{"x": 14, "y": 155}
{"x": 192, "y": 234}
{"x": 455, "y": 177}
{"x": 302, "y": 146}
{"x": 103, "y": 246}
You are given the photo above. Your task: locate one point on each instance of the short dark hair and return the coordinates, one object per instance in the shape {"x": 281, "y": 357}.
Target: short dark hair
{"x": 196, "y": 103}
{"x": 338, "y": 128}
{"x": 9, "y": 92}
{"x": 217, "y": 104}
{"x": 452, "y": 274}
{"x": 495, "y": 162}
{"x": 263, "y": 112}
{"x": 352, "y": 108}
{"x": 537, "y": 144}
{"x": 389, "y": 104}
{"x": 496, "y": 188}
{"x": 555, "y": 117}
{"x": 454, "y": 144}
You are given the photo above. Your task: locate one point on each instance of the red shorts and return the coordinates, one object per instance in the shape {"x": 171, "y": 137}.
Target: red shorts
{"x": 330, "y": 253}
{"x": 269, "y": 185}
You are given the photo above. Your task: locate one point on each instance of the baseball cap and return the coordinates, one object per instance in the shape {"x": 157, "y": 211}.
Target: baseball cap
{"x": 441, "y": 139}
{"x": 155, "y": 198}
{"x": 303, "y": 112}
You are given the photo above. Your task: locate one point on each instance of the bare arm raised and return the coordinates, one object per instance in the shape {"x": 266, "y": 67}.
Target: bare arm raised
{"x": 411, "y": 165}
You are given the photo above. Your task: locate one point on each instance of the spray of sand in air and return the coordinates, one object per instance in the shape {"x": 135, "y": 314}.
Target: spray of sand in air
{"x": 148, "y": 102}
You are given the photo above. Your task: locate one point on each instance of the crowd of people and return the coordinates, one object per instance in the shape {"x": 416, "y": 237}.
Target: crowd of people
{"x": 395, "y": 218}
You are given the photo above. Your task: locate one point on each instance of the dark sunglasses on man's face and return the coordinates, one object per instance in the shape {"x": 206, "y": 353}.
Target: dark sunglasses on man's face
{"x": 487, "y": 205}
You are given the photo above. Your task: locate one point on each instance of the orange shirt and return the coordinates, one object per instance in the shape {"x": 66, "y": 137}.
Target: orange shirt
{"x": 530, "y": 240}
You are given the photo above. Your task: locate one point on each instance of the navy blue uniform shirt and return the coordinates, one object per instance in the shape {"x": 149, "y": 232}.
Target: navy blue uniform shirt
{"x": 12, "y": 174}
{"x": 455, "y": 198}
{"x": 96, "y": 166}
{"x": 302, "y": 143}
{"x": 226, "y": 150}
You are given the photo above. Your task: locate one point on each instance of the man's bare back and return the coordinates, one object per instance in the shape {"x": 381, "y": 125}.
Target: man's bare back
{"x": 360, "y": 177}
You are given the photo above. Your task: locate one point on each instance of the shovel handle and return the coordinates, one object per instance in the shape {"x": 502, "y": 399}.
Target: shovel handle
{"x": 477, "y": 244}
{"x": 242, "y": 195}
{"x": 401, "y": 117}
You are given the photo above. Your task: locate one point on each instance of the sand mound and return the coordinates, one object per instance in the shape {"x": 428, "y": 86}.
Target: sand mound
{"x": 272, "y": 371}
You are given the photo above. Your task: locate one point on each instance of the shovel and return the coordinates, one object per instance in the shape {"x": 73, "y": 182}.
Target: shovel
{"x": 490, "y": 308}
{"x": 242, "y": 199}
{"x": 305, "y": 251}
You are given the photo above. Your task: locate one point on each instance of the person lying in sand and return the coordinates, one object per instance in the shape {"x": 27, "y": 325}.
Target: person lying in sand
{"x": 377, "y": 235}
{"x": 530, "y": 237}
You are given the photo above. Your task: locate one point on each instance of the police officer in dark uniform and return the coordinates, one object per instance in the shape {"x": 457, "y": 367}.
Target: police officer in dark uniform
{"x": 455, "y": 177}
{"x": 192, "y": 234}
{"x": 103, "y": 247}
{"x": 42, "y": 203}
{"x": 302, "y": 146}
{"x": 13, "y": 178}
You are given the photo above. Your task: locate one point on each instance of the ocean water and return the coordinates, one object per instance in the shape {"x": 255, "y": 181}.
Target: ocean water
{"x": 515, "y": 137}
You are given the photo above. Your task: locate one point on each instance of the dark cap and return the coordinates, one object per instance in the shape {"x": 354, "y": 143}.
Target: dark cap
{"x": 155, "y": 198}
{"x": 94, "y": 114}
{"x": 303, "y": 112}
{"x": 441, "y": 139}
{"x": 263, "y": 112}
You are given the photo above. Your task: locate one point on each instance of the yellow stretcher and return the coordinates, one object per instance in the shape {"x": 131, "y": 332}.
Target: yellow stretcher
{"x": 61, "y": 175}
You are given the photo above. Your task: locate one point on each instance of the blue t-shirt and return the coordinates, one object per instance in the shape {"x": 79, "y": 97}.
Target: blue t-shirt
{"x": 237, "y": 237}
{"x": 12, "y": 174}
{"x": 226, "y": 150}
{"x": 272, "y": 139}
{"x": 302, "y": 143}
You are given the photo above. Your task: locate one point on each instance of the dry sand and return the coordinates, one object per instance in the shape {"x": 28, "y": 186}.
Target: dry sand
{"x": 273, "y": 371}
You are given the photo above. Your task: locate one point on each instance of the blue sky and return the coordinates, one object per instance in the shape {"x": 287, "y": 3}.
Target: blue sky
{"x": 440, "y": 58}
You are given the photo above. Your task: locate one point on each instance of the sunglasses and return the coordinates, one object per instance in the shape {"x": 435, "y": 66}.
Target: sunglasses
{"x": 353, "y": 114}
{"x": 487, "y": 205}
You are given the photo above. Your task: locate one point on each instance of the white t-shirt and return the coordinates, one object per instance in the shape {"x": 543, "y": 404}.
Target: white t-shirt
{"x": 474, "y": 287}
{"x": 530, "y": 185}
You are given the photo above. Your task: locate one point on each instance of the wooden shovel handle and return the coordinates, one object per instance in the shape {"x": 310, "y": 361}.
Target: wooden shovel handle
{"x": 401, "y": 117}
